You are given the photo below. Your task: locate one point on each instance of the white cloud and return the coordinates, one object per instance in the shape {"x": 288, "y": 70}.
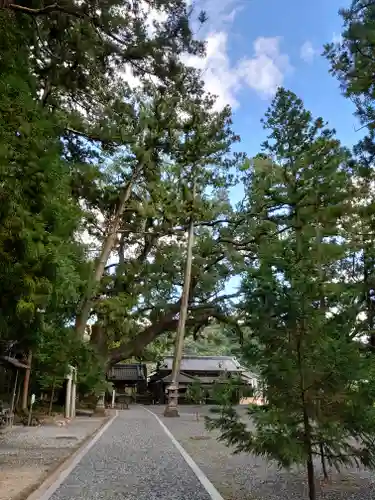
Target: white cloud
{"x": 263, "y": 73}
{"x": 219, "y": 77}
{"x": 220, "y": 15}
{"x": 337, "y": 38}
{"x": 308, "y": 52}
{"x": 229, "y": 18}
{"x": 266, "y": 70}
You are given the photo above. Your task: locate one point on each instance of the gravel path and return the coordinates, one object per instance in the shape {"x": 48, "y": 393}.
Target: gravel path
{"x": 133, "y": 459}
{"x": 28, "y": 453}
{"x": 247, "y": 477}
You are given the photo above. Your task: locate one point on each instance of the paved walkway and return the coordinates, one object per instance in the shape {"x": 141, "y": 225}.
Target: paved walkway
{"x": 134, "y": 460}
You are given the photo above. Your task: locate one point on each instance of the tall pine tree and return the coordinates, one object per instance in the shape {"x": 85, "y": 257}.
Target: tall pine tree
{"x": 353, "y": 63}
{"x": 318, "y": 399}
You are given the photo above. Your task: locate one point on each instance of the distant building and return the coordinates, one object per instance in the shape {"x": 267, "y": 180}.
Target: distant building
{"x": 128, "y": 376}
{"x": 209, "y": 370}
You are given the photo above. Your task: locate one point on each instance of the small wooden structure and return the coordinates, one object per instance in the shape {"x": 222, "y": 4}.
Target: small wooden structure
{"x": 11, "y": 367}
{"x": 128, "y": 380}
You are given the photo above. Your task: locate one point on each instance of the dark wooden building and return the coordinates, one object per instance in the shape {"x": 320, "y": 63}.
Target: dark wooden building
{"x": 128, "y": 376}
{"x": 207, "y": 369}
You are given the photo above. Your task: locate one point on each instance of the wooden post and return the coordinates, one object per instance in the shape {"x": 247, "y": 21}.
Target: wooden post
{"x": 68, "y": 396}
{"x": 32, "y": 401}
{"x": 73, "y": 394}
{"x": 13, "y": 403}
{"x": 26, "y": 382}
{"x": 52, "y": 396}
{"x": 171, "y": 409}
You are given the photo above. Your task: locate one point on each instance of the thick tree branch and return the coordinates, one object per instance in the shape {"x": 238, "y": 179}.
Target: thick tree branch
{"x": 200, "y": 316}
{"x": 90, "y": 136}
{"x": 244, "y": 245}
{"x": 43, "y": 10}
{"x": 106, "y": 249}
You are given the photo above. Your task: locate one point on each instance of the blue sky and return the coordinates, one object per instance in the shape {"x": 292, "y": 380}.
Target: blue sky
{"x": 254, "y": 46}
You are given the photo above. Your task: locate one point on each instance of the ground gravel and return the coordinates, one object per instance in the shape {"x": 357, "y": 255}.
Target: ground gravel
{"x": 246, "y": 477}
{"x": 133, "y": 459}
{"x": 28, "y": 453}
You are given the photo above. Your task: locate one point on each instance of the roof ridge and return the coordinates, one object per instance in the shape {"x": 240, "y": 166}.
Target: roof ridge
{"x": 196, "y": 356}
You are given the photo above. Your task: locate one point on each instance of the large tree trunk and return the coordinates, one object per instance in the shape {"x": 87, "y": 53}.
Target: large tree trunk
{"x": 323, "y": 462}
{"x": 309, "y": 461}
{"x": 105, "y": 252}
{"x": 99, "y": 340}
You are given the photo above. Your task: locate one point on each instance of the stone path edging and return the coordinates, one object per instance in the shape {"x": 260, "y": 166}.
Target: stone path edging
{"x": 203, "y": 479}
{"x": 55, "y": 477}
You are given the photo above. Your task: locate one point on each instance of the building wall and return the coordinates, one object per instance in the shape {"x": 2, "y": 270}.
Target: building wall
{"x": 158, "y": 387}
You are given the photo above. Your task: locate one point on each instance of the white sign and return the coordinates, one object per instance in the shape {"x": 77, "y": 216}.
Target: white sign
{"x": 32, "y": 399}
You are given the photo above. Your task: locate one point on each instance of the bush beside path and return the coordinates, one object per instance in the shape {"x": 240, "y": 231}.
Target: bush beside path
{"x": 247, "y": 477}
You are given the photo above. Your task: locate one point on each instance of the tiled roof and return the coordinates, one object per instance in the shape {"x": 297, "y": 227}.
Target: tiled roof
{"x": 126, "y": 372}
{"x": 204, "y": 363}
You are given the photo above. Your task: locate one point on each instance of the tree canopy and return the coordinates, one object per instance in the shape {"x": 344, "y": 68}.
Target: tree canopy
{"x": 104, "y": 129}
{"x": 299, "y": 301}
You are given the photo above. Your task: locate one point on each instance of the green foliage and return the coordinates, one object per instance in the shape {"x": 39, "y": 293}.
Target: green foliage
{"x": 145, "y": 287}
{"x": 352, "y": 60}
{"x": 298, "y": 301}
{"x": 214, "y": 340}
{"x": 73, "y": 135}
{"x": 53, "y": 357}
{"x": 57, "y": 350}
{"x": 39, "y": 272}
{"x": 195, "y": 392}
{"x": 227, "y": 392}
{"x": 91, "y": 371}
{"x": 353, "y": 63}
